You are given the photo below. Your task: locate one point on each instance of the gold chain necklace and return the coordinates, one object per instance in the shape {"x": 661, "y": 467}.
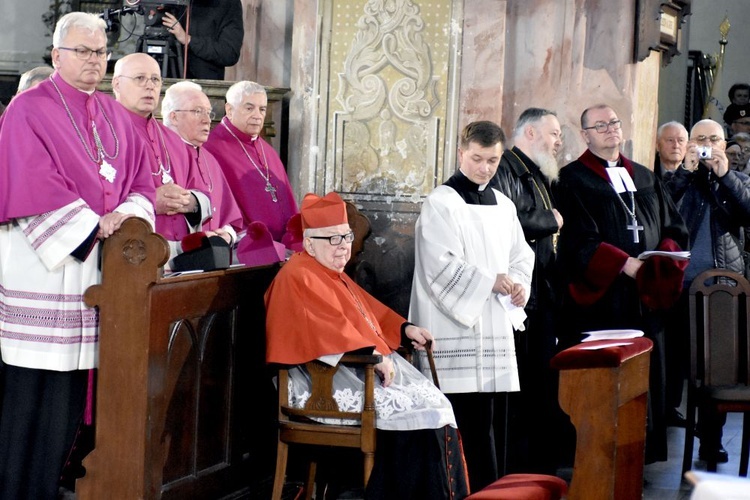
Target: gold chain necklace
{"x": 267, "y": 176}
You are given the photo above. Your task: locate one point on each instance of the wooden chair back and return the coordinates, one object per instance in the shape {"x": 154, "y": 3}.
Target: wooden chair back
{"x": 297, "y": 425}
{"x": 719, "y": 352}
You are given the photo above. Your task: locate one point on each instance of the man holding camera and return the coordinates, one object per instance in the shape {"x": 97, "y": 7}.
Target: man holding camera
{"x": 714, "y": 201}
{"x": 615, "y": 209}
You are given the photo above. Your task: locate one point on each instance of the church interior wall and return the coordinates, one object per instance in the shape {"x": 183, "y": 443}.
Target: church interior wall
{"x": 468, "y": 59}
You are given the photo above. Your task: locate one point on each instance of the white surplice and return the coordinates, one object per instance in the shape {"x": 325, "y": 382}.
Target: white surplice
{"x": 460, "y": 248}
{"x": 45, "y": 323}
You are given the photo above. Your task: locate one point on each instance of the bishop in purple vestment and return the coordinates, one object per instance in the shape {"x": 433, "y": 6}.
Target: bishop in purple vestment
{"x": 70, "y": 170}
{"x": 252, "y": 167}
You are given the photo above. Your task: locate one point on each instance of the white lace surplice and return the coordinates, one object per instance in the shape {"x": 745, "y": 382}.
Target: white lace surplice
{"x": 411, "y": 402}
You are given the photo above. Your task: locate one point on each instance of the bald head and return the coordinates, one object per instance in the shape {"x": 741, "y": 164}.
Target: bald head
{"x": 137, "y": 83}
{"x": 708, "y": 132}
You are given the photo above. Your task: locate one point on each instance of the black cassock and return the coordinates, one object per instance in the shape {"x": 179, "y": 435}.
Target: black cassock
{"x": 595, "y": 241}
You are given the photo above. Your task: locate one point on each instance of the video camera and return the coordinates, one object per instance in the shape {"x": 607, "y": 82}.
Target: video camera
{"x": 153, "y": 12}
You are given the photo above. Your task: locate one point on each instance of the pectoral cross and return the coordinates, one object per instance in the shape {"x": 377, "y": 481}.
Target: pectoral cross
{"x": 635, "y": 228}
{"x": 107, "y": 171}
{"x": 272, "y": 190}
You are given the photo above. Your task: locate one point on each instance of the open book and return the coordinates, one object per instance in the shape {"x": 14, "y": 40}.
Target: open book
{"x": 611, "y": 335}
{"x": 675, "y": 255}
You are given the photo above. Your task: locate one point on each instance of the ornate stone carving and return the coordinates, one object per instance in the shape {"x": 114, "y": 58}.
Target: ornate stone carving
{"x": 385, "y": 132}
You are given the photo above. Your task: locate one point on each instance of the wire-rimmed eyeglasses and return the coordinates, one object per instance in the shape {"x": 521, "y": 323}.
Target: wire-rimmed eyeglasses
{"x": 713, "y": 139}
{"x": 602, "y": 127}
{"x": 141, "y": 80}
{"x": 84, "y": 53}
{"x": 336, "y": 239}
{"x": 198, "y": 112}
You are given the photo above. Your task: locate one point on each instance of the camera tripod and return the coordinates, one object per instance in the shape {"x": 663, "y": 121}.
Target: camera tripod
{"x": 164, "y": 47}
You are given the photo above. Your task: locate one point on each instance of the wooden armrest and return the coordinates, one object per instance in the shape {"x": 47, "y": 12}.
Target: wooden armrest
{"x": 361, "y": 359}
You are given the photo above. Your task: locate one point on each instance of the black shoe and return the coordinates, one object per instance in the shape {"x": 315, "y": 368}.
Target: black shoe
{"x": 675, "y": 418}
{"x": 710, "y": 454}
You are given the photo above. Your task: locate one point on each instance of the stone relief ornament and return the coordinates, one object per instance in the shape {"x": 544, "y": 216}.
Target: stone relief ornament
{"x": 387, "y": 95}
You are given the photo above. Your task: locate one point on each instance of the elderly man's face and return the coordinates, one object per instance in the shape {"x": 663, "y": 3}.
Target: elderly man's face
{"x": 672, "y": 144}
{"x": 708, "y": 133}
{"x": 250, "y": 114}
{"x": 81, "y": 72}
{"x": 333, "y": 257}
{"x": 193, "y": 120}
{"x": 138, "y": 85}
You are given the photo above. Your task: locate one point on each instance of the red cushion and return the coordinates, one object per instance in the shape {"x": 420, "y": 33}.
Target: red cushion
{"x": 582, "y": 356}
{"x": 523, "y": 487}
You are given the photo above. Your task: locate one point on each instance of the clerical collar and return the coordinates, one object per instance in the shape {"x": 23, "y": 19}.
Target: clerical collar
{"x": 598, "y": 164}
{"x": 469, "y": 191}
{"x": 480, "y": 187}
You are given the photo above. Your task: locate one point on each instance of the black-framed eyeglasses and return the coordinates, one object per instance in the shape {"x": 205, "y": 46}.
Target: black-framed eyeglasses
{"x": 336, "y": 239}
{"x": 740, "y": 122}
{"x": 602, "y": 127}
{"x": 199, "y": 113}
{"x": 141, "y": 80}
{"x": 713, "y": 139}
{"x": 84, "y": 53}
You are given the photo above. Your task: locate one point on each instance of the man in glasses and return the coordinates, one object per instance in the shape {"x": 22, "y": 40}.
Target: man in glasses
{"x": 614, "y": 210}
{"x": 70, "y": 161}
{"x": 714, "y": 200}
{"x": 187, "y": 110}
{"x": 472, "y": 276}
{"x": 315, "y": 311}
{"x": 180, "y": 210}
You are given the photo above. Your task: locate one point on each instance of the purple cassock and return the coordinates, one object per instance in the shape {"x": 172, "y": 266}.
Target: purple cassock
{"x": 249, "y": 166}
{"x": 206, "y": 176}
{"x": 45, "y": 167}
{"x": 67, "y": 158}
{"x": 169, "y": 162}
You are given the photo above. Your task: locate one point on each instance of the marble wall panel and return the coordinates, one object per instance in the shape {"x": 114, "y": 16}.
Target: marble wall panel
{"x": 387, "y": 96}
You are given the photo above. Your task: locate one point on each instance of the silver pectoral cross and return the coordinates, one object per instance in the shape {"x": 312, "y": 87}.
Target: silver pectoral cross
{"x": 107, "y": 171}
{"x": 165, "y": 177}
{"x": 272, "y": 190}
{"x": 635, "y": 228}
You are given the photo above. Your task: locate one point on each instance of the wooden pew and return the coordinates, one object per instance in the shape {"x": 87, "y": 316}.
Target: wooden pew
{"x": 181, "y": 373}
{"x": 605, "y": 392}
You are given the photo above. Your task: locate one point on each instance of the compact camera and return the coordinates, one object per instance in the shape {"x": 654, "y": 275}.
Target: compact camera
{"x": 704, "y": 152}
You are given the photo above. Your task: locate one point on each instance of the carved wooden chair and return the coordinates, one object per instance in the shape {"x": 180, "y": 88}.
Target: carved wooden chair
{"x": 719, "y": 376}
{"x": 296, "y": 425}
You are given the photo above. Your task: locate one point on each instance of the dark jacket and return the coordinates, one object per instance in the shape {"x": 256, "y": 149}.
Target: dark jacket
{"x": 727, "y": 197}
{"x": 520, "y": 179}
{"x": 216, "y": 32}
